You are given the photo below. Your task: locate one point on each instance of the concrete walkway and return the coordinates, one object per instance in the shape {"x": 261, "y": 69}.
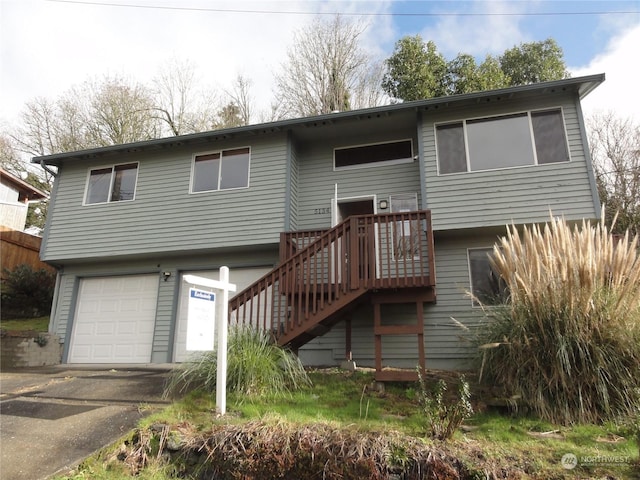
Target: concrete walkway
{"x": 51, "y": 418}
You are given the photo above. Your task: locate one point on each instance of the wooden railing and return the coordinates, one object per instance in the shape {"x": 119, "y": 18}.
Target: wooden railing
{"x": 292, "y": 242}
{"x": 324, "y": 271}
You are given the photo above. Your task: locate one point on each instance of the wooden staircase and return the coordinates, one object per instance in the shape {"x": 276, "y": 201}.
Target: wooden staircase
{"x": 324, "y": 274}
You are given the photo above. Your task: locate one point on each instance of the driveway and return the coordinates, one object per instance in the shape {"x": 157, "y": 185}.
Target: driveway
{"x": 51, "y": 418}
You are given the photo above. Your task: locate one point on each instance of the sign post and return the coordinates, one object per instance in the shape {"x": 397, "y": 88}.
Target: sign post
{"x": 221, "y": 325}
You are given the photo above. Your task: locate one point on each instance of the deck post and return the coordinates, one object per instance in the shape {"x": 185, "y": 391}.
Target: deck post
{"x": 420, "y": 323}
{"x": 348, "y": 353}
{"x": 377, "y": 323}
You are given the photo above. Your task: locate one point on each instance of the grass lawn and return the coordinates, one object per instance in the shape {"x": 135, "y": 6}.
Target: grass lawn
{"x": 40, "y": 324}
{"x": 490, "y": 442}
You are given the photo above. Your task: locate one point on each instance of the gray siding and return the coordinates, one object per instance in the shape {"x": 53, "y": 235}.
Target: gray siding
{"x": 165, "y": 217}
{"x": 318, "y": 178}
{"x": 447, "y": 346}
{"x": 293, "y": 187}
{"x": 167, "y": 290}
{"x": 519, "y": 195}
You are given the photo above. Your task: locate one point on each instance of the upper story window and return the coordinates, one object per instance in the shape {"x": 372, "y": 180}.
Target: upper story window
{"x": 221, "y": 170}
{"x": 487, "y": 286}
{"x": 529, "y": 138}
{"x": 379, "y": 153}
{"x": 112, "y": 184}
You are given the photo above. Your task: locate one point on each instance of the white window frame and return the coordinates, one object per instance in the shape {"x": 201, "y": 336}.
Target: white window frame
{"x": 464, "y": 121}
{"x": 211, "y": 152}
{"x": 113, "y": 166}
{"x": 374, "y": 164}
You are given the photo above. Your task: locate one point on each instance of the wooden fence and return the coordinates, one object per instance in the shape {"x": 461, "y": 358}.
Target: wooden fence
{"x": 17, "y": 248}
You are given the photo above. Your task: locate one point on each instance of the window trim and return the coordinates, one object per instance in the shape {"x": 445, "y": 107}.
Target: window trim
{"x": 398, "y": 161}
{"x": 474, "y": 304}
{"x": 528, "y": 113}
{"x": 112, "y": 166}
{"x": 220, "y": 151}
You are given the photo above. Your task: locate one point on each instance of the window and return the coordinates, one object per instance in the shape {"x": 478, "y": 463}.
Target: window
{"x": 487, "y": 286}
{"x": 112, "y": 184}
{"x": 548, "y": 130}
{"x": 379, "y": 153}
{"x": 406, "y": 233}
{"x": 222, "y": 170}
{"x": 529, "y": 138}
{"x": 451, "y": 150}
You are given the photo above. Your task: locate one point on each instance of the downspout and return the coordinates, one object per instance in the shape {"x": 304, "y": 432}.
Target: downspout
{"x": 47, "y": 169}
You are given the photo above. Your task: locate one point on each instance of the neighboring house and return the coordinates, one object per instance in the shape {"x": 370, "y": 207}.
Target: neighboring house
{"x": 15, "y": 196}
{"x": 354, "y": 233}
{"x": 17, "y": 247}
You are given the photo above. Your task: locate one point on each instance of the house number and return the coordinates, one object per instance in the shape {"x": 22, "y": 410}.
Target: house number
{"x": 321, "y": 211}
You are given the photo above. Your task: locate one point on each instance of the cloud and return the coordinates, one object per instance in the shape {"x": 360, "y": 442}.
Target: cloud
{"x": 619, "y": 92}
{"x": 49, "y": 46}
{"x": 477, "y": 35}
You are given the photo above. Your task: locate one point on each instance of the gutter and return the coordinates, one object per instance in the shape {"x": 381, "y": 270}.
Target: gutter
{"x": 47, "y": 169}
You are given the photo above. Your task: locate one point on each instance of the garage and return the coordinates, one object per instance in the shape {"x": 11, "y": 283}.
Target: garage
{"x": 114, "y": 319}
{"x": 241, "y": 277}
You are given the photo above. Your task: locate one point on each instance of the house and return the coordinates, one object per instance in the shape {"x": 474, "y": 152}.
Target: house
{"x": 16, "y": 246}
{"x": 15, "y": 196}
{"x": 353, "y": 234}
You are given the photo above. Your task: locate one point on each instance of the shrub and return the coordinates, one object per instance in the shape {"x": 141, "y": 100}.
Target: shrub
{"x": 443, "y": 416}
{"x": 27, "y": 293}
{"x": 567, "y": 342}
{"x": 256, "y": 366}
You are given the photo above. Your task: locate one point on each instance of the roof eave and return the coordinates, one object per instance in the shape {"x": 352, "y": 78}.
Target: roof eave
{"x": 584, "y": 86}
{"x": 32, "y": 192}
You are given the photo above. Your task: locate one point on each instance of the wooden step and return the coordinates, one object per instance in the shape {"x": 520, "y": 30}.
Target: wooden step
{"x": 396, "y": 376}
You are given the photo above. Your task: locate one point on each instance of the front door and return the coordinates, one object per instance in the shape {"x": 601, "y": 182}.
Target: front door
{"x": 350, "y": 206}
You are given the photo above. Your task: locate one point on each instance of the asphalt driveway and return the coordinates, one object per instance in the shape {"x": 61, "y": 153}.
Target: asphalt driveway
{"x": 53, "y": 417}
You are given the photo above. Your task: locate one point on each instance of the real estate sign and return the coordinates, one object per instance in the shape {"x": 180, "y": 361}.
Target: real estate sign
{"x": 201, "y": 320}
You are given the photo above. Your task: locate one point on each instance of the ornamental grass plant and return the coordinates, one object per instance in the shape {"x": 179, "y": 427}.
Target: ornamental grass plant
{"x": 256, "y": 366}
{"x": 567, "y": 342}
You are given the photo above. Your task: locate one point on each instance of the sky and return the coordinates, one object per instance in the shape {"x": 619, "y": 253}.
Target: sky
{"x": 48, "y": 46}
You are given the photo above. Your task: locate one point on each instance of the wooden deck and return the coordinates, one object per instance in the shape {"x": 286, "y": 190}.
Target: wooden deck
{"x": 385, "y": 258}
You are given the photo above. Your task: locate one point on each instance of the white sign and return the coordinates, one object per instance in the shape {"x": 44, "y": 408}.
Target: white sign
{"x": 201, "y": 320}
{"x": 221, "y": 370}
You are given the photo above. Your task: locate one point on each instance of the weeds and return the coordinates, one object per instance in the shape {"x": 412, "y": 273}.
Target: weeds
{"x": 273, "y": 448}
{"x": 317, "y": 433}
{"x": 443, "y": 416}
{"x": 255, "y": 367}
{"x": 568, "y": 340}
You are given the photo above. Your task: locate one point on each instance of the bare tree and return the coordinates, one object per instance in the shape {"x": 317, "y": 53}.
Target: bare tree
{"x": 615, "y": 149}
{"x": 179, "y": 104}
{"x": 240, "y": 97}
{"x": 10, "y": 158}
{"x": 369, "y": 92}
{"x": 120, "y": 112}
{"x": 93, "y": 114}
{"x": 326, "y": 70}
{"x": 37, "y": 133}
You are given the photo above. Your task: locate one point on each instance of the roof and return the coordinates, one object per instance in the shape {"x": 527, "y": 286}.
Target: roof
{"x": 25, "y": 190}
{"x": 581, "y": 85}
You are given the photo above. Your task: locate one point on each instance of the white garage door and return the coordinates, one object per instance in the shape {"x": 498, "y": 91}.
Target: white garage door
{"x": 241, "y": 277}
{"x": 114, "y": 320}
